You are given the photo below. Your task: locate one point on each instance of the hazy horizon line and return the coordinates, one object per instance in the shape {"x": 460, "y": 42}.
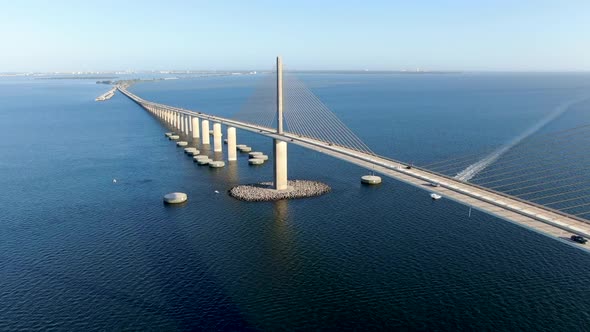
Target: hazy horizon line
{"x": 194, "y": 71}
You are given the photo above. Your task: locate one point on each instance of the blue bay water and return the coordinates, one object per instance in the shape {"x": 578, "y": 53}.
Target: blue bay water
{"x": 78, "y": 251}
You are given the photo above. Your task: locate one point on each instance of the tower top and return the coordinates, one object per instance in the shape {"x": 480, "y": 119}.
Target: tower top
{"x": 279, "y": 95}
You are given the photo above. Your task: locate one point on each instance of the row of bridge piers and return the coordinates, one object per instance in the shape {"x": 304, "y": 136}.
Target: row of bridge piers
{"x": 193, "y": 126}
{"x": 199, "y": 128}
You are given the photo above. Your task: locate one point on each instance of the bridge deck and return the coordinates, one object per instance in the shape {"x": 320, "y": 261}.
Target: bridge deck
{"x": 538, "y": 218}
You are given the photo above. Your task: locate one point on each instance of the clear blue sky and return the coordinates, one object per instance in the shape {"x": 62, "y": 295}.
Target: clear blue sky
{"x": 172, "y": 34}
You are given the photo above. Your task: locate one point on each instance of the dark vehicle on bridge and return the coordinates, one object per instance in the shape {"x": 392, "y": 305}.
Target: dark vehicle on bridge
{"x": 408, "y": 166}
{"x": 579, "y": 239}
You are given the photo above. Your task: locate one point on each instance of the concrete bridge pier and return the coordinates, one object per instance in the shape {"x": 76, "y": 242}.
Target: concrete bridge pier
{"x": 176, "y": 120}
{"x": 205, "y": 131}
{"x": 195, "y": 123}
{"x": 185, "y": 122}
{"x": 232, "y": 153}
{"x": 217, "y": 143}
{"x": 280, "y": 171}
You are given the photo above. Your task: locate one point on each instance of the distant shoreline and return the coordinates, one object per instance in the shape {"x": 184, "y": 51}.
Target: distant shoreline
{"x": 404, "y": 72}
{"x": 75, "y": 77}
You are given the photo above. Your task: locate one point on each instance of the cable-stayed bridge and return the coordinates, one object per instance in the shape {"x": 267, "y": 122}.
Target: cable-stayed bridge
{"x": 283, "y": 109}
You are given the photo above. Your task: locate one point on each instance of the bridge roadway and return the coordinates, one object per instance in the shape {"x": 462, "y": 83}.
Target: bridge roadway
{"x": 538, "y": 218}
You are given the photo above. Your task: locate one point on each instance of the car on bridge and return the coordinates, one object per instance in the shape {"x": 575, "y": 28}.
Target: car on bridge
{"x": 579, "y": 239}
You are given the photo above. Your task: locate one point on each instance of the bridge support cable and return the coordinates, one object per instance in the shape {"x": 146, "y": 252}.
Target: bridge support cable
{"x": 537, "y": 184}
{"x": 325, "y": 125}
{"x": 472, "y": 170}
{"x": 542, "y": 167}
{"x": 543, "y": 141}
{"x": 307, "y": 115}
{"x": 302, "y": 122}
{"x": 534, "y": 165}
{"x": 298, "y": 122}
{"x": 575, "y": 206}
{"x": 544, "y": 176}
{"x": 455, "y": 163}
{"x": 551, "y": 191}
{"x": 528, "y": 157}
{"x": 450, "y": 161}
{"x": 260, "y": 108}
{"x": 295, "y": 122}
{"x": 324, "y": 130}
{"x": 561, "y": 193}
{"x": 523, "y": 152}
{"x": 567, "y": 200}
{"x": 581, "y": 214}
{"x": 540, "y": 179}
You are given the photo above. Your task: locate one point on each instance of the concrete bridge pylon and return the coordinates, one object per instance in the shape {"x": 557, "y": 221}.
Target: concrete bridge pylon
{"x": 280, "y": 147}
